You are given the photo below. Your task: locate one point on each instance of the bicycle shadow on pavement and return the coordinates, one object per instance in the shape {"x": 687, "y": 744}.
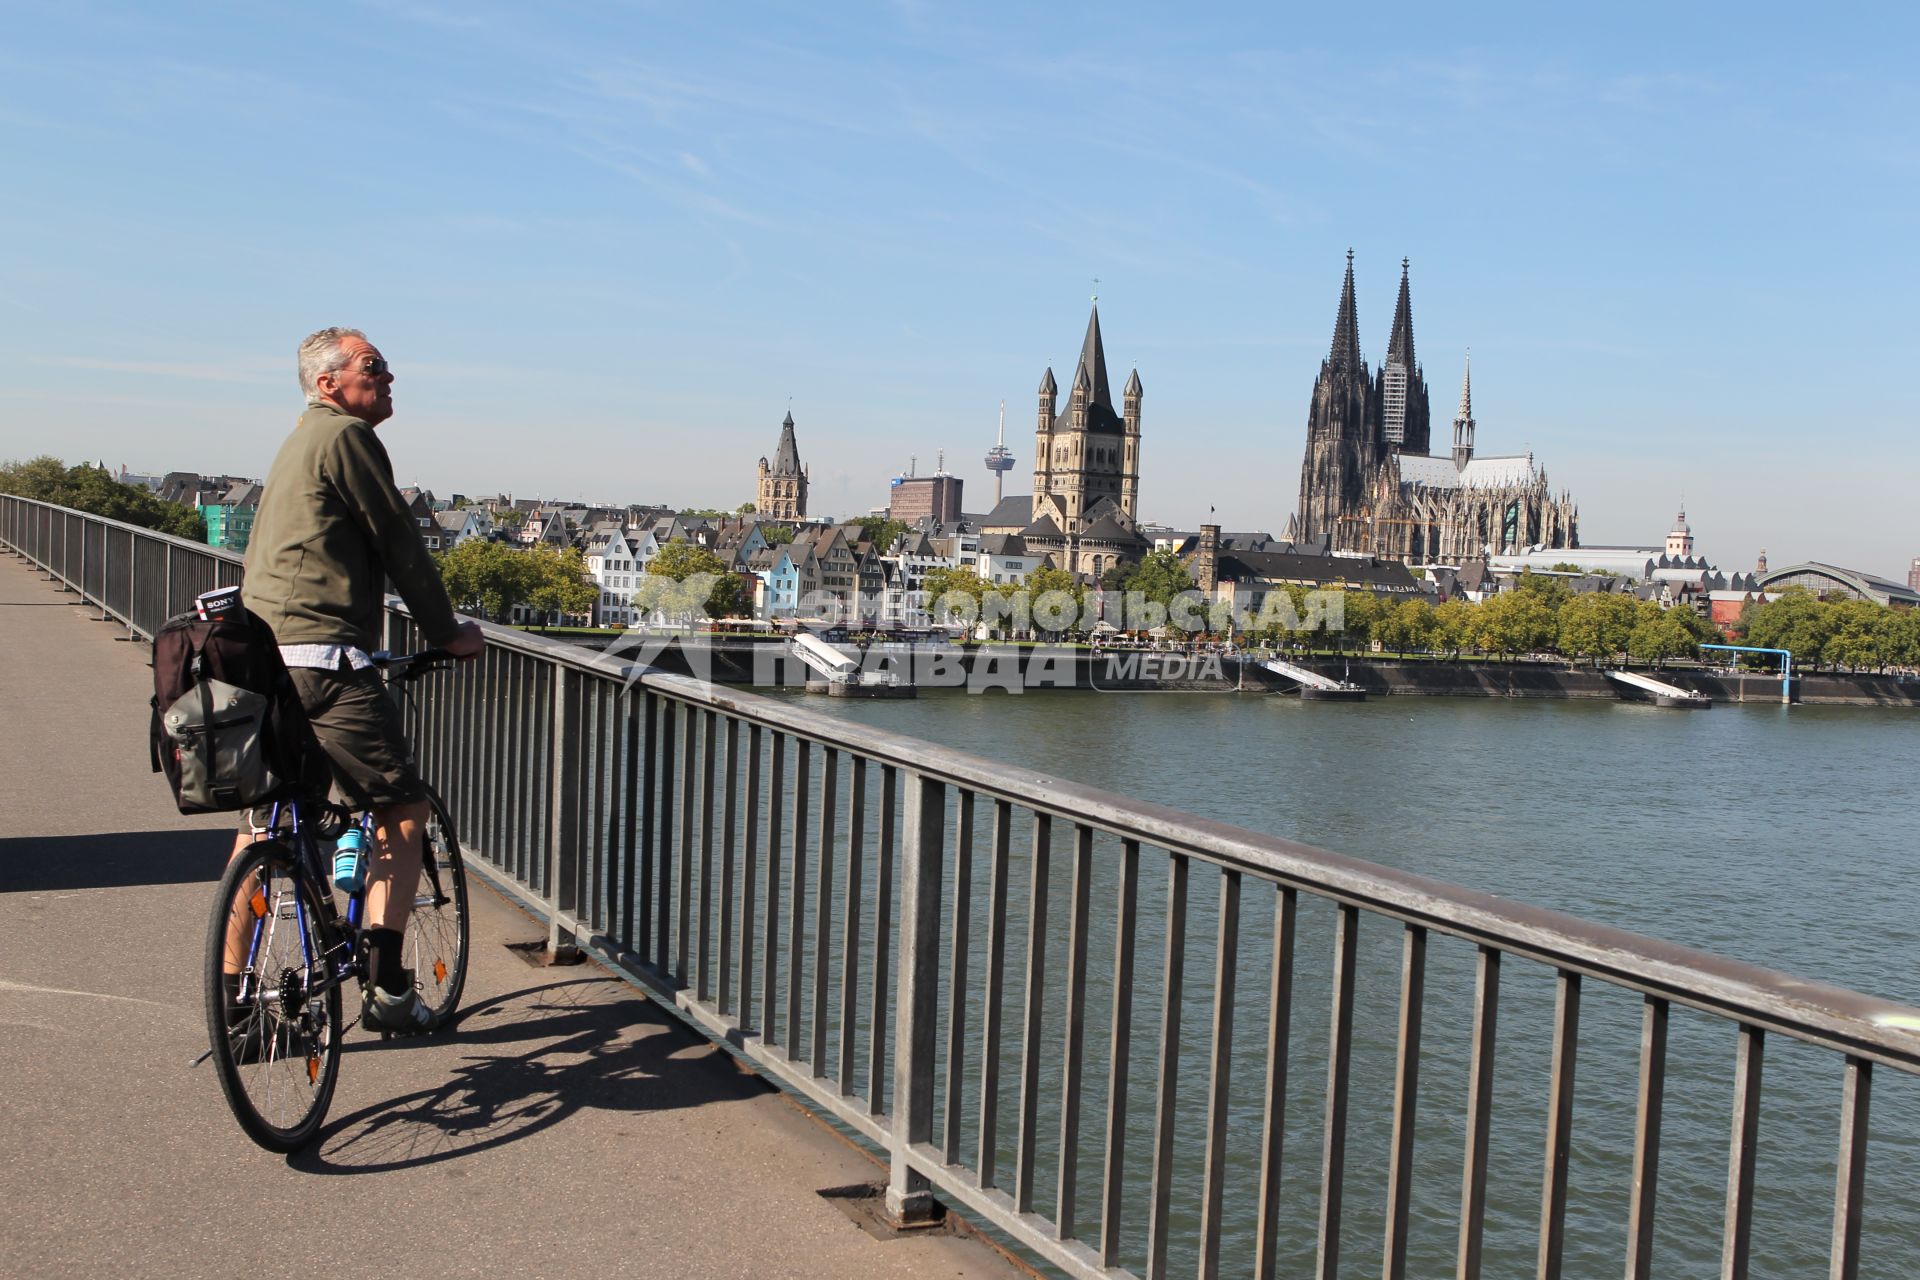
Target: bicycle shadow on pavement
{"x": 121, "y": 859}
{"x": 590, "y": 1046}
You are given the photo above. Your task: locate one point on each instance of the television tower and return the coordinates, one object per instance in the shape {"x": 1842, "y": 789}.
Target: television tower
{"x": 1000, "y": 458}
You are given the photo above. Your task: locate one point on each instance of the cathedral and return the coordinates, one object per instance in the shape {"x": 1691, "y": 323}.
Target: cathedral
{"x": 782, "y": 491}
{"x": 1370, "y": 486}
{"x": 1086, "y": 468}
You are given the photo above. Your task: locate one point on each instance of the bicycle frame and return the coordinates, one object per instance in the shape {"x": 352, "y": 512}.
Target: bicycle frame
{"x": 343, "y": 962}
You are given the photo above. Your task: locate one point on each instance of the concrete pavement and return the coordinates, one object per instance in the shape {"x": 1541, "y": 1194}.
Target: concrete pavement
{"x": 567, "y": 1125}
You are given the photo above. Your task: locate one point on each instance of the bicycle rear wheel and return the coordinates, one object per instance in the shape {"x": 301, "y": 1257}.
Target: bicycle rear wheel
{"x": 273, "y": 1013}
{"x": 436, "y": 937}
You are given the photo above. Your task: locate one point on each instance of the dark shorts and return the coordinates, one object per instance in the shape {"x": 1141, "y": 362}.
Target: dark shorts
{"x": 359, "y": 728}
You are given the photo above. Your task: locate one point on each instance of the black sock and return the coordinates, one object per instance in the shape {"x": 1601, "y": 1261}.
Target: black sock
{"x": 383, "y": 961}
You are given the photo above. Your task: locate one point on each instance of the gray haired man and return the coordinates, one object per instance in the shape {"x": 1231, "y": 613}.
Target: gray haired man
{"x": 330, "y": 532}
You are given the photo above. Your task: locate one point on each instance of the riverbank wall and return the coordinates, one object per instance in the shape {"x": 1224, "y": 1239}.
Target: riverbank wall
{"x": 1552, "y": 680}
{"x": 1011, "y": 669}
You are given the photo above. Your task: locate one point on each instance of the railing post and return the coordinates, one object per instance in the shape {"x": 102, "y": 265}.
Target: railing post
{"x": 916, "y": 1013}
{"x": 133, "y": 582}
{"x": 563, "y": 817}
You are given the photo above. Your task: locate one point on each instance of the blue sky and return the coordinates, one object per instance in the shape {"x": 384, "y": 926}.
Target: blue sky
{"x": 603, "y": 245}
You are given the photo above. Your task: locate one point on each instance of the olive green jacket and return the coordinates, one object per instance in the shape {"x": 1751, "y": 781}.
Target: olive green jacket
{"x": 330, "y": 532}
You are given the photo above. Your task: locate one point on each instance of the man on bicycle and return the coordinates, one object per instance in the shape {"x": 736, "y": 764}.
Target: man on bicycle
{"x": 330, "y": 532}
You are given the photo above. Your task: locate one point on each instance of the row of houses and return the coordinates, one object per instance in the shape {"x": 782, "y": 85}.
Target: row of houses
{"x": 821, "y": 569}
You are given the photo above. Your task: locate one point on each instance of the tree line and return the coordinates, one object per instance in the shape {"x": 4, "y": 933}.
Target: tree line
{"x": 1541, "y": 615}
{"x": 89, "y": 488}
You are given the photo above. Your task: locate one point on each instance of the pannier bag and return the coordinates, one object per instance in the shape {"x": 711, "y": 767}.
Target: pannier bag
{"x": 228, "y": 729}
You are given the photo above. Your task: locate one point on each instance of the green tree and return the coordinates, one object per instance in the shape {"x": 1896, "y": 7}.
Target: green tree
{"x": 1054, "y": 602}
{"x": 487, "y": 579}
{"x": 561, "y": 584}
{"x": 1361, "y": 614}
{"x": 1854, "y": 641}
{"x": 38, "y": 478}
{"x": 1160, "y": 577}
{"x": 777, "y": 535}
{"x": 684, "y": 581}
{"x": 880, "y": 531}
{"x": 1596, "y": 625}
{"x": 1660, "y": 634}
{"x": 1453, "y": 628}
{"x": 1797, "y": 621}
{"x": 1409, "y": 625}
{"x": 954, "y": 594}
{"x": 1515, "y": 622}
{"x": 1553, "y": 592}
{"x": 745, "y": 509}
{"x": 1899, "y": 636}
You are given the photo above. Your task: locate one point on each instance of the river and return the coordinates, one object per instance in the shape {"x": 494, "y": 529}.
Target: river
{"x": 1780, "y": 836}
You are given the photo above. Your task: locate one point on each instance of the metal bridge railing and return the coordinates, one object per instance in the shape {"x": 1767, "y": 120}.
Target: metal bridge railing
{"x": 1109, "y": 1028}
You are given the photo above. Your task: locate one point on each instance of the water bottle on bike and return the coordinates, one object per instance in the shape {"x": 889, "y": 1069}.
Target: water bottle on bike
{"x": 350, "y": 861}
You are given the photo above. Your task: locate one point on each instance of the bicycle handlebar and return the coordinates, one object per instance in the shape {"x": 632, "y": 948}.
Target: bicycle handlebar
{"x": 406, "y": 667}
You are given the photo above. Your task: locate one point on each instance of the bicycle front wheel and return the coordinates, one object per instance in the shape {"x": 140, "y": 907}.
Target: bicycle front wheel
{"x": 436, "y": 939}
{"x": 273, "y": 1010}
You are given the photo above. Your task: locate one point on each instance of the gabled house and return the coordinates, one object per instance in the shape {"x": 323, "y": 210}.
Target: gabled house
{"x": 836, "y": 572}
{"x": 451, "y": 528}
{"x": 229, "y": 515}
{"x": 870, "y": 570}
{"x": 614, "y": 564}
{"x": 791, "y": 577}
{"x": 1005, "y": 558}
{"x": 551, "y": 527}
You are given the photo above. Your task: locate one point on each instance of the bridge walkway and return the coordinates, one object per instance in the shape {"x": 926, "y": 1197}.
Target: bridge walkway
{"x": 567, "y": 1126}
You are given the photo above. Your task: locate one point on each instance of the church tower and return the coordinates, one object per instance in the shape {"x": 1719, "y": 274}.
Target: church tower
{"x": 1680, "y": 537}
{"x": 1089, "y": 455}
{"x": 1400, "y": 387}
{"x": 1341, "y": 449}
{"x": 1130, "y": 449}
{"x": 1463, "y": 420}
{"x": 782, "y": 493}
{"x": 1043, "y": 434}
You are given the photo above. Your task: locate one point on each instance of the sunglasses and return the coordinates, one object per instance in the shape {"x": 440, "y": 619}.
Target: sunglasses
{"x": 373, "y": 366}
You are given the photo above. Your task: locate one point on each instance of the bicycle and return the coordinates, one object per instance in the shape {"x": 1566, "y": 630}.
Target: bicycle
{"x": 279, "y": 951}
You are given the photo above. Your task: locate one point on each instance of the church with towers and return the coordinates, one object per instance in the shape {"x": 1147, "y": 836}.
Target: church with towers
{"x": 1370, "y": 484}
{"x": 781, "y": 491}
{"x": 1086, "y": 467}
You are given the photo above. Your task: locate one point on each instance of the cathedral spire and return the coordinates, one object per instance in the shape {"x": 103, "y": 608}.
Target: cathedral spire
{"x": 1093, "y": 363}
{"x": 1463, "y": 420}
{"x": 1400, "y": 345}
{"x": 1345, "y": 353}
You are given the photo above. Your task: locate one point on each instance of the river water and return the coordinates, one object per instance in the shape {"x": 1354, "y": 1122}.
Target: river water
{"x": 1778, "y": 836}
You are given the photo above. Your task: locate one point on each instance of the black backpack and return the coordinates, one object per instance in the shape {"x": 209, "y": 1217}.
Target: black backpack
{"x": 228, "y": 728}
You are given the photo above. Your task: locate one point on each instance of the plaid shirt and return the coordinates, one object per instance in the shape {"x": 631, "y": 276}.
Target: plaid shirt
{"x": 325, "y": 657}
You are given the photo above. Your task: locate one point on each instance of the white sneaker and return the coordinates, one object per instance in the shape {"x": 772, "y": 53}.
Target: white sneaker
{"x": 401, "y": 1015}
